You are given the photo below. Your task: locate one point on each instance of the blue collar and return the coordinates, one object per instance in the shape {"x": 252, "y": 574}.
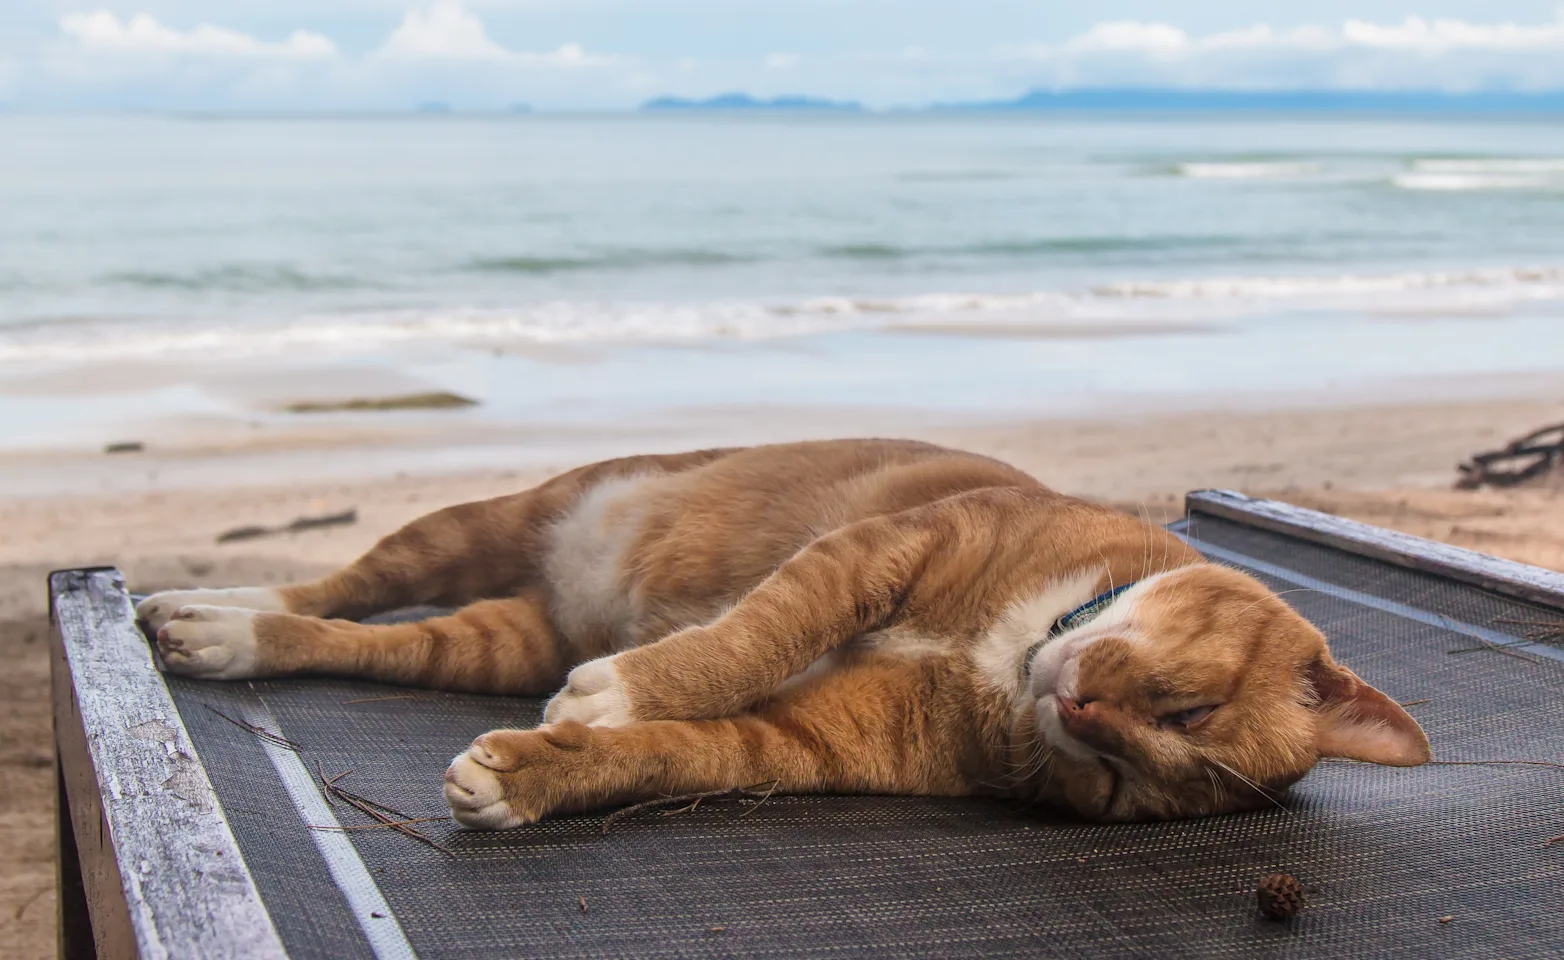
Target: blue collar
{"x": 1087, "y": 611}
{"x": 1080, "y": 616}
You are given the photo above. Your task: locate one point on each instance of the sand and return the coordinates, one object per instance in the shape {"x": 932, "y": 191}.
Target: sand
{"x": 1391, "y": 465}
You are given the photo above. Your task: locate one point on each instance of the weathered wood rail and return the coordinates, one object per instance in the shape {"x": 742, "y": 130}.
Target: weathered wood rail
{"x": 1519, "y": 580}
{"x": 148, "y": 867}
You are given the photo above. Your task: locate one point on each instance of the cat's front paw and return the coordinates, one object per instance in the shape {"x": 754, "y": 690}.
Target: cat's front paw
{"x": 158, "y": 609}
{"x": 512, "y": 777}
{"x": 213, "y": 643}
{"x": 594, "y": 694}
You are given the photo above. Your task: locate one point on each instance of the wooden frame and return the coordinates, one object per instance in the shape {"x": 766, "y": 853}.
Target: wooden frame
{"x": 148, "y": 866}
{"x": 1519, "y": 580}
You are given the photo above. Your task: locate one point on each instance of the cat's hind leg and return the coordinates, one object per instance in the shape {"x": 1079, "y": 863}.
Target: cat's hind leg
{"x": 504, "y": 646}
{"x": 450, "y": 557}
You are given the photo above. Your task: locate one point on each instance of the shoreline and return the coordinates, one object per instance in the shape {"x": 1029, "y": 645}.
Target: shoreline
{"x": 189, "y": 453}
{"x": 584, "y": 402}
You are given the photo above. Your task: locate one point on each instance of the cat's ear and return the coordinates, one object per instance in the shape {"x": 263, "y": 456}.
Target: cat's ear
{"x": 1357, "y": 722}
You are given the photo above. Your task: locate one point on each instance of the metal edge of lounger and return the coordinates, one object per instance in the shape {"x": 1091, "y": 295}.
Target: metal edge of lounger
{"x": 1519, "y": 580}
{"x": 147, "y": 859}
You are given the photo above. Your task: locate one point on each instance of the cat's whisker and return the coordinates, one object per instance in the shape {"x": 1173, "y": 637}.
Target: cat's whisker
{"x": 1038, "y": 754}
{"x": 1219, "y": 792}
{"x": 1108, "y": 568}
{"x": 1039, "y": 765}
{"x": 1279, "y": 593}
{"x": 1252, "y": 785}
{"x": 1145, "y": 539}
{"x": 1167, "y": 550}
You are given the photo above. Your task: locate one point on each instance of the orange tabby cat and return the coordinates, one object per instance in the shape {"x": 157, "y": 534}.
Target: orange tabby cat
{"x": 849, "y": 616}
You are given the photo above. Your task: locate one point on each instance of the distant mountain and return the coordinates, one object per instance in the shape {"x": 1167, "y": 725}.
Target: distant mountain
{"x": 1324, "y": 101}
{"x": 743, "y": 101}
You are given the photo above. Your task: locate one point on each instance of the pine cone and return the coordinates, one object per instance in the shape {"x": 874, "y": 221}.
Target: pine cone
{"x": 1280, "y": 896}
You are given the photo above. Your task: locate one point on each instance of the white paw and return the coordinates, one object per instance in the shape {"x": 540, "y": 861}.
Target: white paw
{"x": 159, "y": 608}
{"x": 474, "y": 791}
{"x": 214, "y": 643}
{"x": 593, "y": 695}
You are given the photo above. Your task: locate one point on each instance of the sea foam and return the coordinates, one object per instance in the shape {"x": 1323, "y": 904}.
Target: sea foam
{"x": 1521, "y": 173}
{"x": 1255, "y": 170}
{"x": 1148, "y": 304}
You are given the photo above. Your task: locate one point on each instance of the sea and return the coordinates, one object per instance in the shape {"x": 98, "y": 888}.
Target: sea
{"x": 1015, "y": 264}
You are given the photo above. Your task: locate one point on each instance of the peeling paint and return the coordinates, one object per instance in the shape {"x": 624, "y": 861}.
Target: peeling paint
{"x": 159, "y": 730}
{"x": 188, "y": 783}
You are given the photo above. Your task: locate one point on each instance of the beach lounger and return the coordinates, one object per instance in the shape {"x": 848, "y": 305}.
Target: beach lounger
{"x": 185, "y": 833}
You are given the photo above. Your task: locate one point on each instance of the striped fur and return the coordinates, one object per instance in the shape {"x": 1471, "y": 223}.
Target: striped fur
{"x": 835, "y": 616}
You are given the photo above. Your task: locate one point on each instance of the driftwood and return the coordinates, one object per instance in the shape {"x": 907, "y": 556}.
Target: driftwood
{"x": 442, "y": 400}
{"x": 344, "y": 518}
{"x": 1522, "y": 460}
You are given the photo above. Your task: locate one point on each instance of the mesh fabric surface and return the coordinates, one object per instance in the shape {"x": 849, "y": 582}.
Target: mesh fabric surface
{"x": 1388, "y": 852}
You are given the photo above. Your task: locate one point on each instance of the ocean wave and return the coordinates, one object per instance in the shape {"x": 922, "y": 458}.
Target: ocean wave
{"x": 1028, "y": 247}
{"x": 238, "y": 278}
{"x": 1542, "y": 165}
{"x": 866, "y": 252}
{"x": 1478, "y": 181}
{"x": 957, "y": 176}
{"x": 555, "y": 322}
{"x": 608, "y": 260}
{"x": 1149, "y": 305}
{"x": 1490, "y": 173}
{"x": 1522, "y": 282}
{"x": 1249, "y": 170}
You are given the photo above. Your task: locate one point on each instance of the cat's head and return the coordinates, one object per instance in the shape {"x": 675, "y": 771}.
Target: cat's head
{"x": 1200, "y": 691}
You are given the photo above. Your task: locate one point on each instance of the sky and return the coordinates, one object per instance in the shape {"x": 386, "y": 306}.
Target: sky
{"x": 614, "y": 54}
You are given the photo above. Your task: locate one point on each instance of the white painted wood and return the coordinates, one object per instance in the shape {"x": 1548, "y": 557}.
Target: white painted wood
{"x": 1519, "y": 580}
{"x": 381, "y": 927}
{"x": 161, "y": 870}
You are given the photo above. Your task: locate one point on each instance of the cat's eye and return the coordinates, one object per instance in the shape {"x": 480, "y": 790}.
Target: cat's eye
{"x": 1188, "y": 718}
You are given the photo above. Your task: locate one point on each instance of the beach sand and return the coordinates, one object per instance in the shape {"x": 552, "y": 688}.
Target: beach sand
{"x": 1390, "y": 464}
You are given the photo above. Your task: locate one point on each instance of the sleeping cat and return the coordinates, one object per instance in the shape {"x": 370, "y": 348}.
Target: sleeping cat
{"x": 848, "y": 616}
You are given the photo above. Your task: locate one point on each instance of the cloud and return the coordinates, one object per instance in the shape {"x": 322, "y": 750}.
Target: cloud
{"x": 1412, "y": 33}
{"x": 446, "y": 31}
{"x": 1130, "y": 35}
{"x": 1413, "y": 53}
{"x": 445, "y": 50}
{"x": 101, "y": 32}
{"x": 1441, "y": 35}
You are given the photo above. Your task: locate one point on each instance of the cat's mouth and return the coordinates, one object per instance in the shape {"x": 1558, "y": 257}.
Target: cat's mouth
{"x": 1065, "y": 722}
{"x": 1080, "y": 729}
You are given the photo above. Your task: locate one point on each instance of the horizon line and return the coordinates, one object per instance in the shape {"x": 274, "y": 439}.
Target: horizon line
{"x": 1118, "y": 100}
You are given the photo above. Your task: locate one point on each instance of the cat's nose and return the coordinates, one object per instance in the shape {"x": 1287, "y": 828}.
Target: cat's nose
{"x": 1072, "y": 707}
{"x": 1079, "y": 716}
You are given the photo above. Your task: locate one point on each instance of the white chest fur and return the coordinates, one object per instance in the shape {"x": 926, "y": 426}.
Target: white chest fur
{"x": 998, "y": 654}
{"x": 586, "y": 558}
